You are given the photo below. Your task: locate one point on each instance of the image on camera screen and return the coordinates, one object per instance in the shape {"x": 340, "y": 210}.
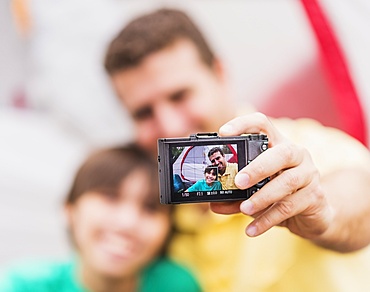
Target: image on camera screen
{"x": 204, "y": 169}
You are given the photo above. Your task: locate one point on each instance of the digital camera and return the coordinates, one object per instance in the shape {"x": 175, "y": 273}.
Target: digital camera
{"x": 202, "y": 167}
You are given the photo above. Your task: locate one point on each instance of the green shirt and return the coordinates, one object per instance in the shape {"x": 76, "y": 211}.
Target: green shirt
{"x": 162, "y": 275}
{"x": 201, "y": 185}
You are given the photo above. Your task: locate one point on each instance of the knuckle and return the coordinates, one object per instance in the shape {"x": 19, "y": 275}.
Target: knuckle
{"x": 291, "y": 181}
{"x": 261, "y": 118}
{"x": 285, "y": 207}
{"x": 265, "y": 222}
{"x": 308, "y": 160}
{"x": 317, "y": 193}
{"x": 260, "y": 202}
{"x": 259, "y": 169}
{"x": 288, "y": 152}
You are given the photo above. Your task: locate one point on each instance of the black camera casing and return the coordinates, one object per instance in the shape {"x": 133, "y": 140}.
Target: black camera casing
{"x": 243, "y": 149}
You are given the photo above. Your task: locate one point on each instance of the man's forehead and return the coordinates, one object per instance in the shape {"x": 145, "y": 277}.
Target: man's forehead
{"x": 163, "y": 70}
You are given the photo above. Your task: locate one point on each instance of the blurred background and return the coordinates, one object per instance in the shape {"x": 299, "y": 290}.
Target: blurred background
{"x": 56, "y": 103}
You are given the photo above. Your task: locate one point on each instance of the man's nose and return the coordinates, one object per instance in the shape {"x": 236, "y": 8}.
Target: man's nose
{"x": 171, "y": 122}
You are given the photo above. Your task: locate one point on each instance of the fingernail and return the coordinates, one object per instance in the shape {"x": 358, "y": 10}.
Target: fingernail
{"x": 246, "y": 207}
{"x": 242, "y": 180}
{"x": 251, "y": 231}
{"x": 226, "y": 129}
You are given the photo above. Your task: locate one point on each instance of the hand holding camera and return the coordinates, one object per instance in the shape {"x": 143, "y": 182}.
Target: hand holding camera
{"x": 292, "y": 198}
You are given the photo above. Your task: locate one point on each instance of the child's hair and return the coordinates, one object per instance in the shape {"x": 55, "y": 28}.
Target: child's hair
{"x": 105, "y": 170}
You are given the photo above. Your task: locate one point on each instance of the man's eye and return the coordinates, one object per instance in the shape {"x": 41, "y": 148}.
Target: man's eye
{"x": 143, "y": 113}
{"x": 179, "y": 96}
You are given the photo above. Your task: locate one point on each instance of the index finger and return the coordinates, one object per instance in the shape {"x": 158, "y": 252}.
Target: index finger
{"x": 254, "y": 123}
{"x": 268, "y": 163}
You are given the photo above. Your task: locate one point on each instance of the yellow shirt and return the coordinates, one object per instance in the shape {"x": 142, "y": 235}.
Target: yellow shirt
{"x": 216, "y": 248}
{"x": 227, "y": 179}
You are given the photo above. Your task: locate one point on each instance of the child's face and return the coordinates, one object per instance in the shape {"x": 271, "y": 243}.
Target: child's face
{"x": 210, "y": 177}
{"x": 119, "y": 234}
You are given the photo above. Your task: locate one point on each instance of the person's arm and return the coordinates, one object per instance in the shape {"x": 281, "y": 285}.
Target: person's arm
{"x": 330, "y": 209}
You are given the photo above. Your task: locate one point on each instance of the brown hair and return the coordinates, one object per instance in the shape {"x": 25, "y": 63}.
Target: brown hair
{"x": 214, "y": 150}
{"x": 105, "y": 170}
{"x": 150, "y": 33}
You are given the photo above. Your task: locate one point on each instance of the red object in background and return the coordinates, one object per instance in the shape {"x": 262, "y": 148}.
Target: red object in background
{"x": 322, "y": 90}
{"x": 19, "y": 99}
{"x": 345, "y": 96}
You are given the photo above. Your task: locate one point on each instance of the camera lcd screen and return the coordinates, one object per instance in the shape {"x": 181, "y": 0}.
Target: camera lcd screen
{"x": 202, "y": 168}
{"x": 206, "y": 171}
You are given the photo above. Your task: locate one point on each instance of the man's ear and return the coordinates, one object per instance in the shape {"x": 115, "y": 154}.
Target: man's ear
{"x": 219, "y": 70}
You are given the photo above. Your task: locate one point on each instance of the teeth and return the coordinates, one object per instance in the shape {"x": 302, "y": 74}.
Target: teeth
{"x": 118, "y": 245}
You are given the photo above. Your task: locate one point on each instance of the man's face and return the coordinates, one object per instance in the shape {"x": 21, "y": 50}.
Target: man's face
{"x": 172, "y": 93}
{"x": 218, "y": 160}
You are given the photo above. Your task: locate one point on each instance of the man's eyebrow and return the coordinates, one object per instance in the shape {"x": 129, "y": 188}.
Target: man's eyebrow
{"x": 179, "y": 93}
{"x": 143, "y": 111}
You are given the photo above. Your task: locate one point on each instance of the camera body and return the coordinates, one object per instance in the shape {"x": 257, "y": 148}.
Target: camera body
{"x": 202, "y": 167}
